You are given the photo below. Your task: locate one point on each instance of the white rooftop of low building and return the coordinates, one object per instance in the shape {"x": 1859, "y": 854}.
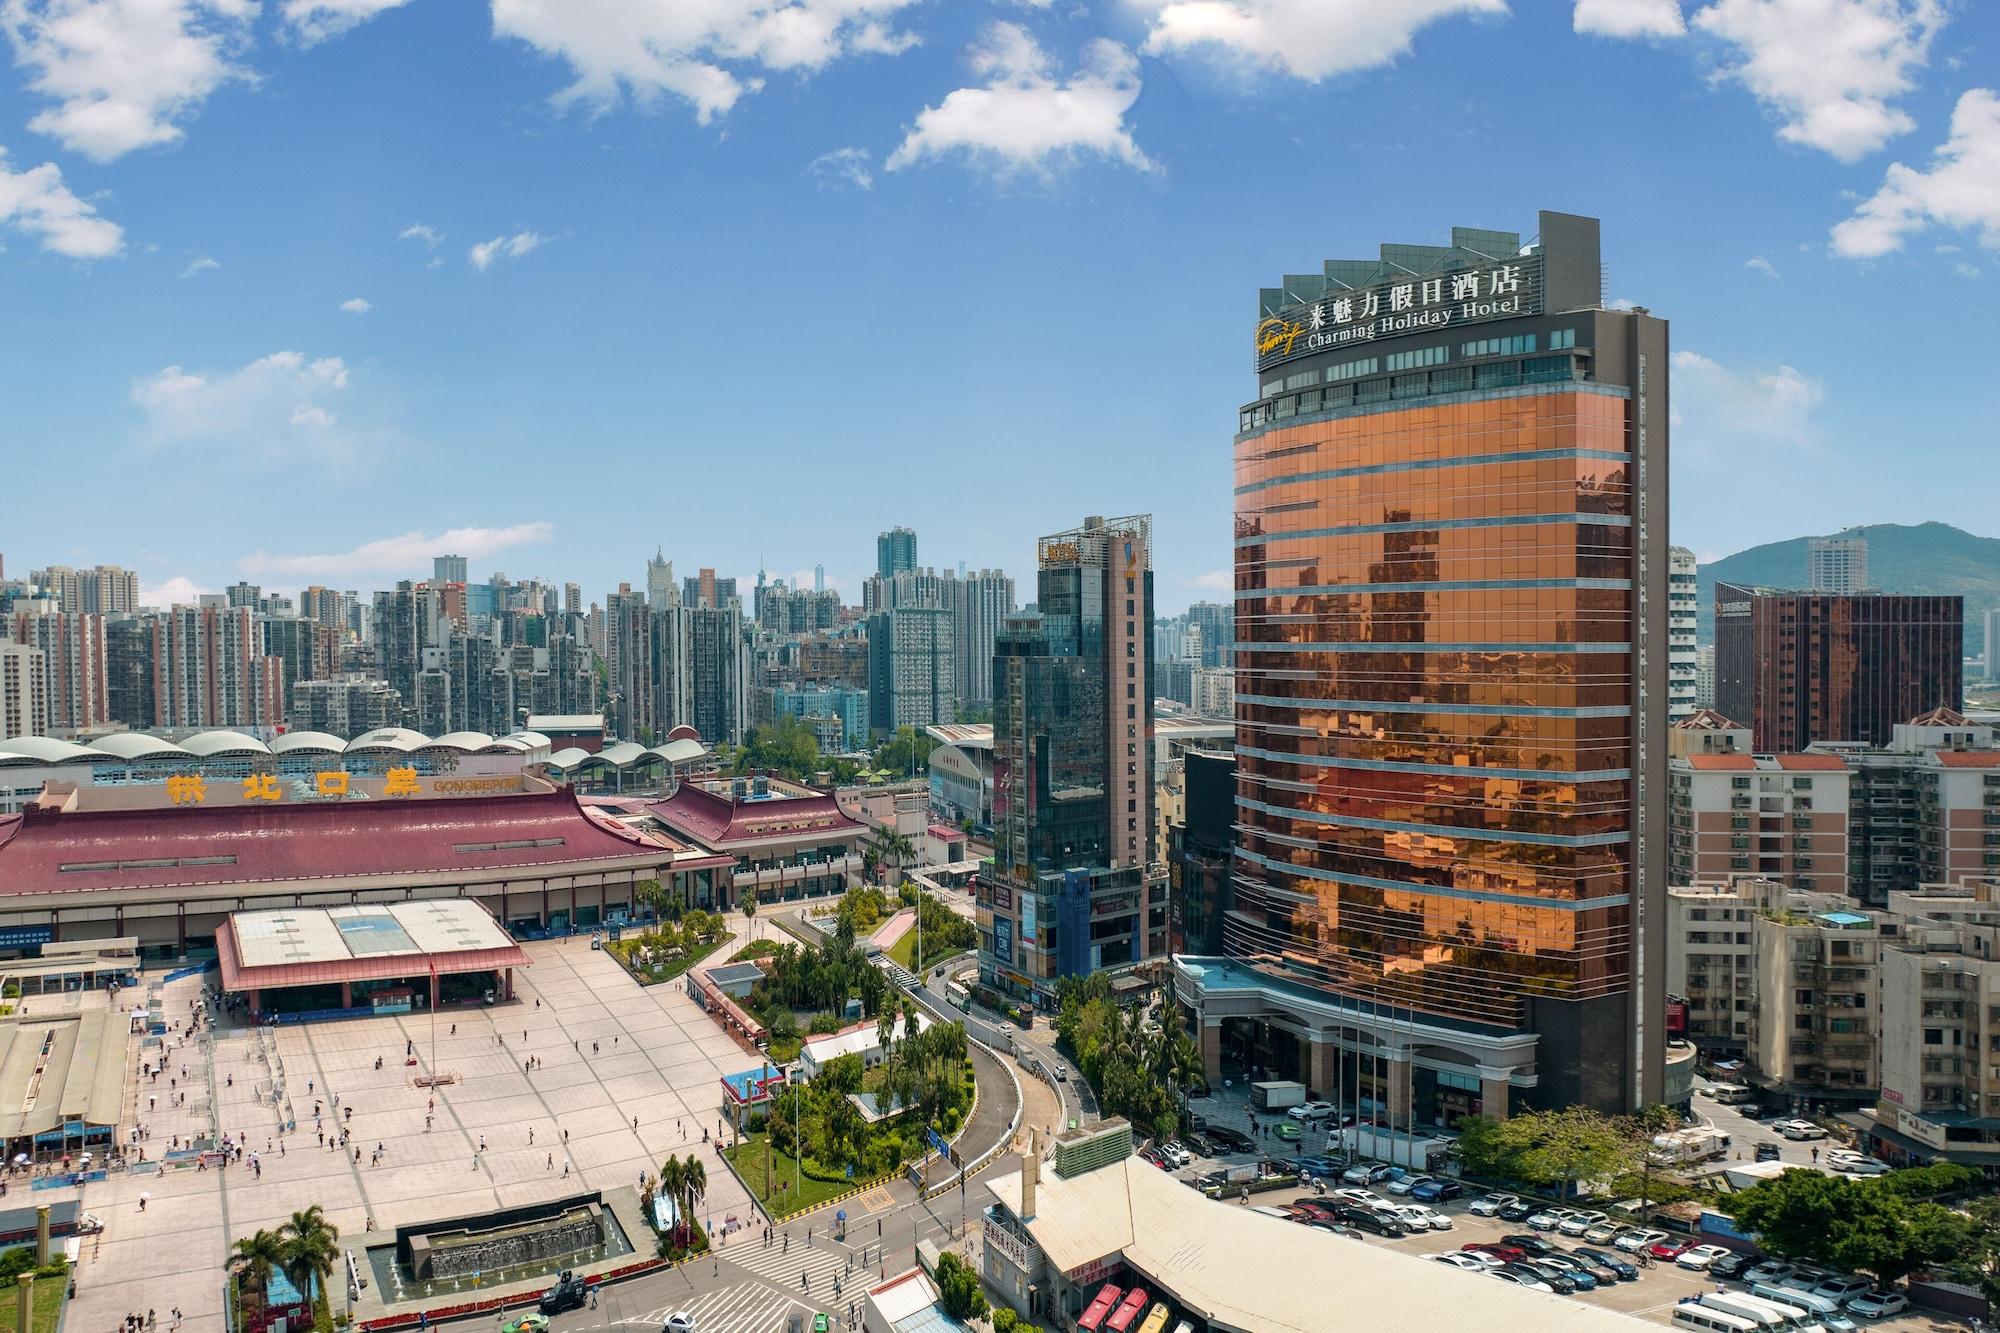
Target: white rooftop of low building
{"x": 338, "y": 934}
{"x": 1248, "y": 1271}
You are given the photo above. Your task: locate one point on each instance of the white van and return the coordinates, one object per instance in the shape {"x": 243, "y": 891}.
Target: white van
{"x": 1732, "y": 1094}
{"x": 1766, "y": 1314}
{"x": 1693, "y": 1314}
{"x": 1798, "y": 1300}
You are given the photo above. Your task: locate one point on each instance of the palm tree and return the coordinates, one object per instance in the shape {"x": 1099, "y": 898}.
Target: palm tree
{"x": 897, "y": 845}
{"x": 258, "y": 1255}
{"x": 673, "y": 1176}
{"x": 750, "y": 908}
{"x": 312, "y": 1247}
{"x": 694, "y": 1185}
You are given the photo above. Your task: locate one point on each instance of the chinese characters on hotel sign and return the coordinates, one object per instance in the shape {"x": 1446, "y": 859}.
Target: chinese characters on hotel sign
{"x": 1415, "y": 304}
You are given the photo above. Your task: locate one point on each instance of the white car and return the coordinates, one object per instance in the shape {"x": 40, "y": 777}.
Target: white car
{"x": 1578, "y": 1223}
{"x": 1491, "y": 1204}
{"x": 1878, "y": 1304}
{"x": 1312, "y": 1111}
{"x": 1483, "y": 1261}
{"x": 1361, "y": 1197}
{"x": 1853, "y": 1163}
{"x": 1406, "y": 1184}
{"x": 1798, "y": 1130}
{"x": 1701, "y": 1256}
{"x": 1634, "y": 1241}
{"x": 1419, "y": 1218}
{"x": 680, "y": 1321}
{"x": 1550, "y": 1218}
{"x": 1457, "y": 1260}
{"x": 1603, "y": 1233}
{"x": 1176, "y": 1153}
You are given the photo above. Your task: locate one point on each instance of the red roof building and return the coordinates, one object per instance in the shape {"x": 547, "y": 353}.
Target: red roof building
{"x": 536, "y": 860}
{"x": 787, "y": 841}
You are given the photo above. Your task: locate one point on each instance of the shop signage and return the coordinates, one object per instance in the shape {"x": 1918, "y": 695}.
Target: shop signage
{"x": 1407, "y": 305}
{"x": 1094, "y": 1271}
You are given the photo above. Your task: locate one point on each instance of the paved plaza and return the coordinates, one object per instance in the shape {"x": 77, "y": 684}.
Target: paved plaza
{"x": 608, "y": 1051}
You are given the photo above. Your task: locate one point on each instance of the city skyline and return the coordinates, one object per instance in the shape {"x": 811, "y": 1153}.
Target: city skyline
{"x": 523, "y": 294}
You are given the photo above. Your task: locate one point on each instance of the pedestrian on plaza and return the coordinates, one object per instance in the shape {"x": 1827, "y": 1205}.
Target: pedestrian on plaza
{"x": 550, "y": 1165}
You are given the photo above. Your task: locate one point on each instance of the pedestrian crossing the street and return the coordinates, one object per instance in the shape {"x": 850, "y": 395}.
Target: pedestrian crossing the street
{"x": 745, "y": 1308}
{"x": 820, "y": 1265}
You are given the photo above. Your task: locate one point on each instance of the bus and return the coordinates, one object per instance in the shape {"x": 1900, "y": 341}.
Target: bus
{"x": 1692, "y": 1314}
{"x": 1156, "y": 1321}
{"x": 1125, "y": 1318}
{"x": 1100, "y": 1308}
{"x": 959, "y": 996}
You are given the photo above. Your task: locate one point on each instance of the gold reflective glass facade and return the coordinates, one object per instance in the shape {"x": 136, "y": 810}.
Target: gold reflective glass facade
{"x": 1434, "y": 674}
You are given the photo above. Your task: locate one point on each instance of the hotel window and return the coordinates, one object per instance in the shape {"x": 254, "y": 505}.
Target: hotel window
{"x": 1560, "y": 339}
{"x": 1372, "y": 391}
{"x": 1284, "y": 407}
{"x": 1349, "y": 369}
{"x": 1458, "y": 379}
{"x": 1301, "y": 380}
{"x": 1422, "y": 356}
{"x": 1271, "y": 387}
{"x": 1411, "y": 386}
{"x": 1310, "y": 400}
{"x": 1514, "y": 346}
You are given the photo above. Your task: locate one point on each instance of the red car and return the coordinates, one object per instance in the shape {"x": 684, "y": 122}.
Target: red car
{"x": 1669, "y": 1249}
{"x": 1505, "y": 1253}
{"x": 1308, "y": 1208}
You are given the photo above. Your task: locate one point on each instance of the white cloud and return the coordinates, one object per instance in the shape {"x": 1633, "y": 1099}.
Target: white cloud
{"x": 418, "y": 231}
{"x": 410, "y": 551}
{"x": 36, "y": 203}
{"x": 1629, "y": 18}
{"x": 1716, "y": 408}
{"x": 520, "y": 243}
{"x": 357, "y": 305}
{"x": 1307, "y": 39}
{"x": 122, "y": 72}
{"x": 1763, "y": 266}
{"x": 315, "y": 20}
{"x": 1961, "y": 190}
{"x": 201, "y": 265}
{"x": 278, "y": 407}
{"x": 1621, "y": 303}
{"x": 1025, "y": 117}
{"x": 1831, "y": 69}
{"x": 177, "y": 591}
{"x": 1965, "y": 270}
{"x": 705, "y": 52}
{"x": 852, "y": 165}
{"x": 1215, "y": 580}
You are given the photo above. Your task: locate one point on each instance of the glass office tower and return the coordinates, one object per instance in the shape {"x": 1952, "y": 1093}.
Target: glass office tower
{"x": 1451, "y": 673}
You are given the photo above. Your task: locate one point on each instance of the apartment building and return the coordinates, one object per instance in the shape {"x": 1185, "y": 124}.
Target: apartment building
{"x": 1731, "y": 813}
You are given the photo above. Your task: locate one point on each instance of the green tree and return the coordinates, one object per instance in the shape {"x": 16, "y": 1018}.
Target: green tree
{"x": 905, "y": 754}
{"x": 1564, "y": 1147}
{"x": 787, "y": 747}
{"x": 749, "y": 902}
{"x": 256, "y": 1256}
{"x": 958, "y": 1288}
{"x": 1979, "y": 1262}
{"x": 311, "y": 1246}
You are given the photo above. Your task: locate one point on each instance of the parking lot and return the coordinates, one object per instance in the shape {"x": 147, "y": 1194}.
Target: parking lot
{"x": 1651, "y": 1296}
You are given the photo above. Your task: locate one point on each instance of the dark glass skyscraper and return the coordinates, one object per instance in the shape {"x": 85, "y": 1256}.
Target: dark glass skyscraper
{"x": 895, "y": 551}
{"x": 1451, "y": 676}
{"x": 1802, "y": 667}
{"x": 1073, "y": 886}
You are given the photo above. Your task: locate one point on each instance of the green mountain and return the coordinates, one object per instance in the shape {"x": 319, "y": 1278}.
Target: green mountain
{"x": 1933, "y": 558}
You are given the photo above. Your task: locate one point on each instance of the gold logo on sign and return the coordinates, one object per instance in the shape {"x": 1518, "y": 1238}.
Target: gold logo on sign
{"x": 1277, "y": 335}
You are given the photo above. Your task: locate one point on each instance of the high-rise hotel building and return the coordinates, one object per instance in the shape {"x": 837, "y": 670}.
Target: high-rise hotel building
{"x": 1451, "y": 664}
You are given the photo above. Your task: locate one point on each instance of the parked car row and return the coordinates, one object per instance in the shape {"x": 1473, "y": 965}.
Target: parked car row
{"x": 1530, "y": 1261}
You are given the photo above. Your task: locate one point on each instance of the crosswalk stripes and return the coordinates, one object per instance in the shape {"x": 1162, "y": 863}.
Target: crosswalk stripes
{"x": 745, "y": 1308}
{"x": 782, "y": 1267}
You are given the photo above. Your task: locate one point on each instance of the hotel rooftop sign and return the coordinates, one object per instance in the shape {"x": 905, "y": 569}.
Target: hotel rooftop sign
{"x": 1418, "y": 303}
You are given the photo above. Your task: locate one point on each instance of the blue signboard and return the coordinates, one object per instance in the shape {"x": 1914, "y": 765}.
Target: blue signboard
{"x": 937, "y": 1143}
{"x": 21, "y": 937}
{"x": 1003, "y": 940}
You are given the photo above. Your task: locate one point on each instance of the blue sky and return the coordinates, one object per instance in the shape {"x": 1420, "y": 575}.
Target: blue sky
{"x": 307, "y": 290}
